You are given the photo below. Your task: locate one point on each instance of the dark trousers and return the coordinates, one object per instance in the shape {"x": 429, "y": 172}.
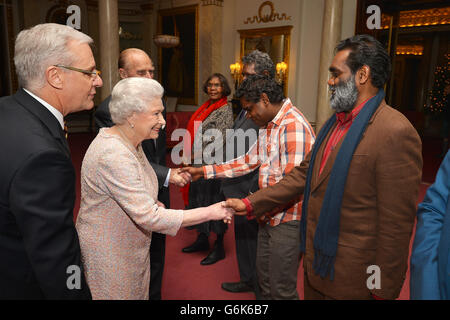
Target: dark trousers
{"x": 277, "y": 261}
{"x": 157, "y": 255}
{"x": 246, "y": 235}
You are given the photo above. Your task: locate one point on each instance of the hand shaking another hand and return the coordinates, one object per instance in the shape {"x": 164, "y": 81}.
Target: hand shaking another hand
{"x": 194, "y": 172}
{"x": 179, "y": 178}
{"x": 221, "y": 211}
{"x": 237, "y": 205}
{"x": 241, "y": 210}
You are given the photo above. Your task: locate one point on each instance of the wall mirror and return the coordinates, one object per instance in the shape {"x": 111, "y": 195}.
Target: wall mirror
{"x": 275, "y": 42}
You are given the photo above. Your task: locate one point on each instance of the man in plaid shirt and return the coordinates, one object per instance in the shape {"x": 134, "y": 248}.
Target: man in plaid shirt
{"x": 284, "y": 139}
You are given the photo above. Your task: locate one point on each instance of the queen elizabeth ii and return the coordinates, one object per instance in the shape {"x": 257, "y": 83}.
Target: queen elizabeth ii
{"x": 119, "y": 207}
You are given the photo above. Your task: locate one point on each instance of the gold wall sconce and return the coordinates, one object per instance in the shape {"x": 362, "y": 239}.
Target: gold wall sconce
{"x": 281, "y": 72}
{"x": 235, "y": 70}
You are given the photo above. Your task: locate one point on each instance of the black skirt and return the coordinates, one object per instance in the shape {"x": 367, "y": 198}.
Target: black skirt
{"x": 203, "y": 193}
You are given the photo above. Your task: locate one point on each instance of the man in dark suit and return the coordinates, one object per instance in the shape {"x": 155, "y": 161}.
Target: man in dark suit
{"x": 246, "y": 231}
{"x": 39, "y": 249}
{"x": 135, "y": 62}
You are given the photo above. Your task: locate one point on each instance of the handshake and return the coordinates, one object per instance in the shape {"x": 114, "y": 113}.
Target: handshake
{"x": 179, "y": 178}
{"x": 226, "y": 209}
{"x": 182, "y": 176}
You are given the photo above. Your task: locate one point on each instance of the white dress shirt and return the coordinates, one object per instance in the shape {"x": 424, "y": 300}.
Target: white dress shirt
{"x": 58, "y": 115}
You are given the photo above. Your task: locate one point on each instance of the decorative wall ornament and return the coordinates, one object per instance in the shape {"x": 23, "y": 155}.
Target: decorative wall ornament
{"x": 267, "y": 17}
{"x": 281, "y": 72}
{"x": 419, "y": 18}
{"x": 218, "y": 3}
{"x": 235, "y": 70}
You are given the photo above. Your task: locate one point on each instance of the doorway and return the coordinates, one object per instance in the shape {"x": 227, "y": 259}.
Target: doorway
{"x": 417, "y": 35}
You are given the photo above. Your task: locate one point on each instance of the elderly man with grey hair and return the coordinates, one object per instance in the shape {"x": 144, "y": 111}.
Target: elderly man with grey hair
{"x": 257, "y": 62}
{"x": 119, "y": 189}
{"x": 39, "y": 248}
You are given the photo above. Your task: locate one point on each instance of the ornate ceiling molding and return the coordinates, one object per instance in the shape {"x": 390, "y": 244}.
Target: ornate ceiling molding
{"x": 218, "y": 3}
{"x": 265, "y": 18}
{"x": 419, "y": 18}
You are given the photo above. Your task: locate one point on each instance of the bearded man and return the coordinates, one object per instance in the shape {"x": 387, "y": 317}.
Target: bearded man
{"x": 360, "y": 184}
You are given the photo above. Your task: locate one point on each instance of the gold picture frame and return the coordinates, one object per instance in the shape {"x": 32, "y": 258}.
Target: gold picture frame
{"x": 274, "y": 41}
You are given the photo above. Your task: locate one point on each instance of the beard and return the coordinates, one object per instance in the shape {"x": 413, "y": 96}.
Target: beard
{"x": 344, "y": 95}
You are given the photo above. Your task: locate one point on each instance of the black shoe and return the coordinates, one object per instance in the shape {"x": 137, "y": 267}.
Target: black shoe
{"x": 201, "y": 244}
{"x": 257, "y": 292}
{"x": 237, "y": 287}
{"x": 218, "y": 253}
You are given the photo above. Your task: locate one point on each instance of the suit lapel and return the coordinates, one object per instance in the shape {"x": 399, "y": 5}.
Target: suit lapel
{"x": 64, "y": 143}
{"x": 240, "y": 119}
{"x": 44, "y": 116}
{"x": 318, "y": 160}
{"x": 329, "y": 164}
{"x": 318, "y": 180}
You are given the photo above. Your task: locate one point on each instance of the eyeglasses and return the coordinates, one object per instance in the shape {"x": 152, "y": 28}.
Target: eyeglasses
{"x": 143, "y": 73}
{"x": 213, "y": 85}
{"x": 94, "y": 74}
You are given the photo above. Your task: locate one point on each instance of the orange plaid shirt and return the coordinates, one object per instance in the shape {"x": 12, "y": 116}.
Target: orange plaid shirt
{"x": 279, "y": 148}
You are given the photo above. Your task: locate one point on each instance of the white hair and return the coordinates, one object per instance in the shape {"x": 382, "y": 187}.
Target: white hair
{"x": 42, "y": 46}
{"x": 133, "y": 95}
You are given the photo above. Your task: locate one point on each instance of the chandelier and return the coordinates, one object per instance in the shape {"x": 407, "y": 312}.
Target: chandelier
{"x": 168, "y": 40}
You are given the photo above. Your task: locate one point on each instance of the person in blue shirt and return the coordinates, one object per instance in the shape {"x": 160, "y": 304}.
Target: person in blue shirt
{"x": 430, "y": 267}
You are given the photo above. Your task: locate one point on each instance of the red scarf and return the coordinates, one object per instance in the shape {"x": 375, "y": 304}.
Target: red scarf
{"x": 200, "y": 115}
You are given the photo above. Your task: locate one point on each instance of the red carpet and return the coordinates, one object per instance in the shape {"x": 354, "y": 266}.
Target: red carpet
{"x": 185, "y": 278}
